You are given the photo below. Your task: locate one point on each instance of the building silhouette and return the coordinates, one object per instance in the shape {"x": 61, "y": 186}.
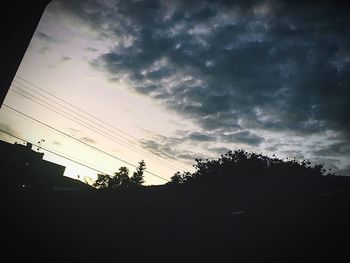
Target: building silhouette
{"x": 22, "y": 167}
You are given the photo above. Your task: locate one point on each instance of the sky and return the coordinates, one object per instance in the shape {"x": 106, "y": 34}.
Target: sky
{"x": 177, "y": 80}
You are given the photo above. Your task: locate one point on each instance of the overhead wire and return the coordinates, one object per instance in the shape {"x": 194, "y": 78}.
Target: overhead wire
{"x": 80, "y": 141}
{"x": 175, "y": 165}
{"x": 102, "y": 121}
{"x": 61, "y": 105}
{"x": 70, "y": 158}
{"x": 87, "y": 125}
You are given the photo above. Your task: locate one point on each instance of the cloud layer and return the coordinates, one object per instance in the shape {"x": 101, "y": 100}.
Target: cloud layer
{"x": 240, "y": 69}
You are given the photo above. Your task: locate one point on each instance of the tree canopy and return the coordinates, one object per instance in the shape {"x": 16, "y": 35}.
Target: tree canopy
{"x": 137, "y": 177}
{"x": 121, "y": 178}
{"x": 242, "y": 163}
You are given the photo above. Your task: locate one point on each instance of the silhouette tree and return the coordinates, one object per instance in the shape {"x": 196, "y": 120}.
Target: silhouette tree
{"x": 241, "y": 164}
{"x": 176, "y": 178}
{"x": 103, "y": 181}
{"x": 137, "y": 178}
{"x": 120, "y": 178}
{"x": 179, "y": 178}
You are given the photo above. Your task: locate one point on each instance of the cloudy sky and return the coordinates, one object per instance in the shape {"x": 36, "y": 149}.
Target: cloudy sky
{"x": 191, "y": 79}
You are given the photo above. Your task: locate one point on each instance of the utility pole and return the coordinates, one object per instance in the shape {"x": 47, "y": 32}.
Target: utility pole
{"x": 18, "y": 22}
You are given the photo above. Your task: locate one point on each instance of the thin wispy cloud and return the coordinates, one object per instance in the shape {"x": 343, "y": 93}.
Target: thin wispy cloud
{"x": 8, "y": 129}
{"x": 88, "y": 140}
{"x": 45, "y": 37}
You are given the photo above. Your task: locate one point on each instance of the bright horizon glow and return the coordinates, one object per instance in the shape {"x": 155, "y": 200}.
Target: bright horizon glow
{"x": 76, "y": 82}
{"x": 116, "y": 145}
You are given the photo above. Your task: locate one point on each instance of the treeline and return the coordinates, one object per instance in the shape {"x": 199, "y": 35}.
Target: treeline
{"x": 121, "y": 179}
{"x": 240, "y": 163}
{"x": 230, "y": 166}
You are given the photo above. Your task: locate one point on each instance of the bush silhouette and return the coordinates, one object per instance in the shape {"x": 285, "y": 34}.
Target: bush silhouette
{"x": 241, "y": 163}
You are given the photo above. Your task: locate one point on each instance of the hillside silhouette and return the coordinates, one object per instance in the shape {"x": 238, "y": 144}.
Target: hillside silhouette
{"x": 241, "y": 207}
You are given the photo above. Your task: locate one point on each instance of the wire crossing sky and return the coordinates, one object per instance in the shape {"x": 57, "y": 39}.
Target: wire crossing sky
{"x": 171, "y": 81}
{"x": 89, "y": 115}
{"x": 129, "y": 144}
{"x": 75, "y": 139}
{"x": 72, "y": 159}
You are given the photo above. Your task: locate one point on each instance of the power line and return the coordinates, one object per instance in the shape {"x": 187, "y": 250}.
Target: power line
{"x": 80, "y": 141}
{"x": 87, "y": 125}
{"x": 51, "y": 151}
{"x": 91, "y": 127}
{"x": 173, "y": 164}
{"x": 80, "y": 115}
{"x": 100, "y": 120}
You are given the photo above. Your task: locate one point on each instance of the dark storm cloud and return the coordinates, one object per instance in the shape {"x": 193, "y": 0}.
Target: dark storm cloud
{"x": 293, "y": 154}
{"x": 45, "y": 37}
{"x": 187, "y": 157}
{"x": 335, "y": 149}
{"x": 169, "y": 147}
{"x": 220, "y": 150}
{"x": 272, "y": 148}
{"x": 344, "y": 171}
{"x": 196, "y": 136}
{"x": 244, "y": 137}
{"x": 232, "y": 65}
{"x": 163, "y": 149}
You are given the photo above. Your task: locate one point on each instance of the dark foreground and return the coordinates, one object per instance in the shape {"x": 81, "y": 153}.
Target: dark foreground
{"x": 292, "y": 220}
